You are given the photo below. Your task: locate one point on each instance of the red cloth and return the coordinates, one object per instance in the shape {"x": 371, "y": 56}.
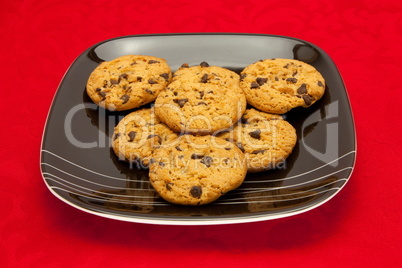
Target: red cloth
{"x": 360, "y": 227}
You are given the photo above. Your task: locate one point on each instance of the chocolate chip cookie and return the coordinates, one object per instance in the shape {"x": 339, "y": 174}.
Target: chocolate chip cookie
{"x": 206, "y": 74}
{"x": 278, "y": 85}
{"x": 138, "y": 134}
{"x": 128, "y": 82}
{"x": 197, "y": 170}
{"x": 200, "y": 108}
{"x": 266, "y": 139}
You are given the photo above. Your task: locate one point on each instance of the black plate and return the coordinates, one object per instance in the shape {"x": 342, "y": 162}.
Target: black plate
{"x": 79, "y": 167}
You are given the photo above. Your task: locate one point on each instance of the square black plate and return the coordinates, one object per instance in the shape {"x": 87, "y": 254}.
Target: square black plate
{"x": 79, "y": 167}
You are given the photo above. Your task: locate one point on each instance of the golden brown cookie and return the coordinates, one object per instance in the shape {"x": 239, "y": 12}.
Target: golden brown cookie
{"x": 206, "y": 74}
{"x": 128, "y": 82}
{"x": 197, "y": 170}
{"x": 138, "y": 134}
{"x": 200, "y": 108}
{"x": 266, "y": 139}
{"x": 279, "y": 85}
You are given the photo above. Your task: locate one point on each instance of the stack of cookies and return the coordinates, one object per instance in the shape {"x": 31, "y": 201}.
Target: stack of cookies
{"x": 199, "y": 138}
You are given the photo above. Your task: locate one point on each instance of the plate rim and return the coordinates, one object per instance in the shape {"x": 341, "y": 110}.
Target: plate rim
{"x": 157, "y": 220}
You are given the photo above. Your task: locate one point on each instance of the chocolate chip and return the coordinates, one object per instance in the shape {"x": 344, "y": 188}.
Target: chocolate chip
{"x": 286, "y": 66}
{"x": 202, "y": 103}
{"x": 242, "y": 76}
{"x": 149, "y": 91}
{"x": 98, "y": 89}
{"x": 123, "y": 76}
{"x": 178, "y": 148}
{"x": 102, "y": 94}
{"x": 254, "y": 85}
{"x": 152, "y": 160}
{"x": 175, "y": 93}
{"x": 116, "y": 136}
{"x": 204, "y": 78}
{"x": 131, "y": 135}
{"x": 244, "y": 120}
{"x": 169, "y": 186}
{"x": 240, "y": 146}
{"x": 256, "y": 134}
{"x": 180, "y": 102}
{"x": 196, "y": 191}
{"x": 151, "y": 81}
{"x": 201, "y": 94}
{"x": 125, "y": 98}
{"x": 197, "y": 156}
{"x": 185, "y": 65}
{"x": 307, "y": 99}
{"x": 228, "y": 149}
{"x": 207, "y": 161}
{"x": 261, "y": 81}
{"x": 161, "y": 164}
{"x": 154, "y": 135}
{"x": 134, "y": 63}
{"x": 294, "y": 73}
{"x": 258, "y": 151}
{"x": 165, "y": 75}
{"x": 114, "y": 81}
{"x": 204, "y": 64}
{"x": 139, "y": 78}
{"x": 152, "y": 61}
{"x": 292, "y": 80}
{"x": 320, "y": 84}
{"x": 302, "y": 89}
{"x": 276, "y": 78}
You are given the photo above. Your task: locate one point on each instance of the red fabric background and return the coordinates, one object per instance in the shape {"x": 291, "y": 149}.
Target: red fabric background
{"x": 360, "y": 227}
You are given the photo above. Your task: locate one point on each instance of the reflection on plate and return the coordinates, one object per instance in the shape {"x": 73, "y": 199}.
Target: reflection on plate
{"x": 79, "y": 167}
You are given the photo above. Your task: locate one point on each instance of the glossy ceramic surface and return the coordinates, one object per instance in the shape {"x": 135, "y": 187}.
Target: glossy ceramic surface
{"x": 79, "y": 167}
